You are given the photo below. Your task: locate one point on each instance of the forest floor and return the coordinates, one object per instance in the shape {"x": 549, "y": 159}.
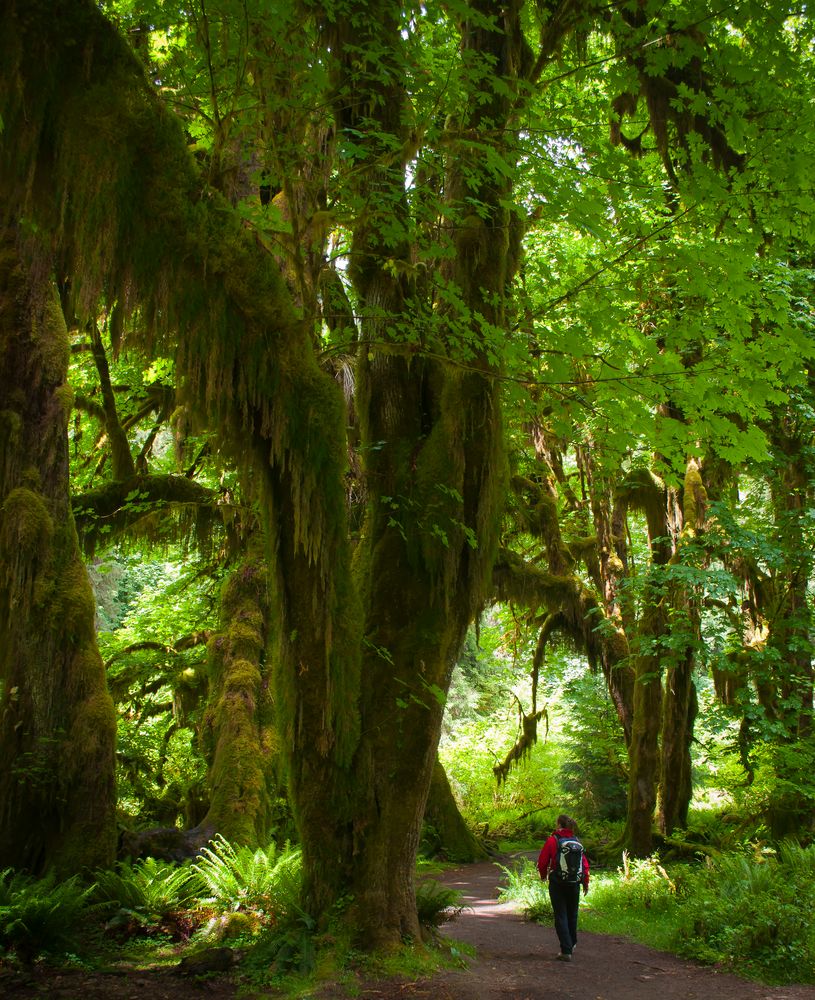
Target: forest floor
{"x": 514, "y": 960}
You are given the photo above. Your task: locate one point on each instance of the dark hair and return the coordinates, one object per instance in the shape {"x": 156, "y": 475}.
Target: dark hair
{"x": 565, "y": 822}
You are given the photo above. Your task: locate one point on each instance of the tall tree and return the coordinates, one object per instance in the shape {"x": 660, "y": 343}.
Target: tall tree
{"x": 410, "y": 159}
{"x": 57, "y": 725}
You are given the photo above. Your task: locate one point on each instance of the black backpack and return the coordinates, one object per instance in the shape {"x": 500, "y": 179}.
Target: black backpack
{"x": 568, "y": 867}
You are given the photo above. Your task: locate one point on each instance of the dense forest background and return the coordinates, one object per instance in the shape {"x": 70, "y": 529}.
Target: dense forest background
{"x": 406, "y": 433}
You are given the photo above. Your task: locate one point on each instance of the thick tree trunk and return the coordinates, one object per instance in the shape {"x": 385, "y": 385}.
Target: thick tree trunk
{"x": 239, "y": 723}
{"x": 420, "y": 592}
{"x": 454, "y": 839}
{"x": 609, "y": 526}
{"x": 57, "y": 724}
{"x": 434, "y": 472}
{"x": 651, "y": 652}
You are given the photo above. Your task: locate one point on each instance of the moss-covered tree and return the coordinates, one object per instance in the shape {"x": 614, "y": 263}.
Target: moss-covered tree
{"x": 239, "y": 726}
{"x": 416, "y": 186}
{"x": 57, "y": 725}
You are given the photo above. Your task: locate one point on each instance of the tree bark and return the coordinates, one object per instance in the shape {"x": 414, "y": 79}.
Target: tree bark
{"x": 679, "y": 710}
{"x": 57, "y": 723}
{"x": 680, "y": 705}
{"x": 239, "y": 722}
{"x": 643, "y": 750}
{"x": 456, "y": 842}
{"x": 790, "y": 629}
{"x": 609, "y": 525}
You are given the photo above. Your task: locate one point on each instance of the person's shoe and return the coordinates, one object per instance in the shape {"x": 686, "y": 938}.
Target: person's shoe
{"x": 564, "y": 956}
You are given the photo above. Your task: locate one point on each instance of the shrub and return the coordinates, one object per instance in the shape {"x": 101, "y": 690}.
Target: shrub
{"x": 437, "y": 903}
{"x": 41, "y": 916}
{"x": 148, "y": 889}
{"x": 524, "y": 886}
{"x": 754, "y": 913}
{"x": 645, "y": 884}
{"x": 265, "y": 880}
{"x": 287, "y": 949}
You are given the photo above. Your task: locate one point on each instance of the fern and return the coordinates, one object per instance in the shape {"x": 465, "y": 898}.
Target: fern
{"x": 12, "y": 885}
{"x": 41, "y": 916}
{"x": 798, "y": 863}
{"x": 437, "y": 903}
{"x": 524, "y": 886}
{"x": 239, "y": 878}
{"x": 149, "y": 888}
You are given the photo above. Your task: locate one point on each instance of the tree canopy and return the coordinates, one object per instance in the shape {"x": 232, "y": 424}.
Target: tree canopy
{"x": 443, "y": 306}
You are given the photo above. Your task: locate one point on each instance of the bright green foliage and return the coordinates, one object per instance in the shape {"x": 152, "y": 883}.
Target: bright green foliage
{"x": 156, "y": 673}
{"x": 643, "y": 883}
{"x": 148, "y": 890}
{"x": 593, "y": 769}
{"x": 265, "y": 880}
{"x": 488, "y": 691}
{"x": 749, "y": 911}
{"x": 525, "y": 887}
{"x": 41, "y": 916}
{"x": 754, "y": 913}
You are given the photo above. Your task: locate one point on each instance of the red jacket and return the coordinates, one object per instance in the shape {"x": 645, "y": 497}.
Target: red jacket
{"x": 548, "y": 855}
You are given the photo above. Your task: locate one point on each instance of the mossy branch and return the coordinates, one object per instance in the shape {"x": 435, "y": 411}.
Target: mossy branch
{"x": 150, "y": 503}
{"x": 122, "y": 460}
{"x": 521, "y": 582}
{"x": 190, "y": 641}
{"x": 89, "y": 406}
{"x": 576, "y": 613}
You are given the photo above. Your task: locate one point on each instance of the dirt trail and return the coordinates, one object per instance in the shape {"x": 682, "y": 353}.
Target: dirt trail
{"x": 517, "y": 960}
{"x": 514, "y": 960}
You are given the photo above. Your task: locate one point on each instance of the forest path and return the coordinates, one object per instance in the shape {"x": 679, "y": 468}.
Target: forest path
{"x": 515, "y": 959}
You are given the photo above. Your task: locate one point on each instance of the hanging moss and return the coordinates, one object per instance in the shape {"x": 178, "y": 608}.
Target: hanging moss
{"x": 522, "y": 746}
{"x": 163, "y": 509}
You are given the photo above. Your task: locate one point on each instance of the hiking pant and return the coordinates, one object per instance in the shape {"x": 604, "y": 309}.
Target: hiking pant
{"x": 565, "y": 898}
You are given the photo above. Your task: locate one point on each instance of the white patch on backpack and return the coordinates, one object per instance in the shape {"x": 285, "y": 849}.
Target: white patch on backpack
{"x": 569, "y": 860}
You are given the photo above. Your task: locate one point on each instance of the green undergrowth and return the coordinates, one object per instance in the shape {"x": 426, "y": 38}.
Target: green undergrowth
{"x": 41, "y": 916}
{"x": 747, "y": 911}
{"x": 336, "y": 964}
{"x": 150, "y": 914}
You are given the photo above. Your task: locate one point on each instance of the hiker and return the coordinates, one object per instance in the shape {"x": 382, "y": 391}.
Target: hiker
{"x": 563, "y": 861}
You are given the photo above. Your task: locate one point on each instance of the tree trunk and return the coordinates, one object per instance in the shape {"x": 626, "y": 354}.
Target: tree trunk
{"x": 680, "y": 705}
{"x": 609, "y": 526}
{"x": 790, "y": 621}
{"x": 651, "y": 650}
{"x": 679, "y": 710}
{"x": 643, "y": 751}
{"x": 434, "y": 466}
{"x": 239, "y": 724}
{"x": 454, "y": 838}
{"x": 57, "y": 723}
